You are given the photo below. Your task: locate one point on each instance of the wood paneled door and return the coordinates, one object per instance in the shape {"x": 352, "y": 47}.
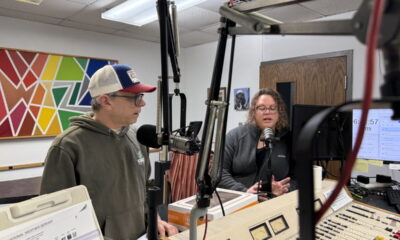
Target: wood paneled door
{"x": 323, "y": 79}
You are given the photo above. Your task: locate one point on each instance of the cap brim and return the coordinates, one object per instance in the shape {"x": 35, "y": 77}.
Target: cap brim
{"x": 139, "y": 88}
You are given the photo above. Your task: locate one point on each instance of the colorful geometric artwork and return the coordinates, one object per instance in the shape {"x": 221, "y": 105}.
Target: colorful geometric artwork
{"x": 39, "y": 92}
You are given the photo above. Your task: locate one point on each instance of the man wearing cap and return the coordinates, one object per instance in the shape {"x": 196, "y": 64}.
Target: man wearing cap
{"x": 100, "y": 150}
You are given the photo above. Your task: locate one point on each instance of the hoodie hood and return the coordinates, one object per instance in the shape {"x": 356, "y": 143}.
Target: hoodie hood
{"x": 86, "y": 121}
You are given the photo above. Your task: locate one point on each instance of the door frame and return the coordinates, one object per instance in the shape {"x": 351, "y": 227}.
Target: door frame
{"x": 349, "y": 66}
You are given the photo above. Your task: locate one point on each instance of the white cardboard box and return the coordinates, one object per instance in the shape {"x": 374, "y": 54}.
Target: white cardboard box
{"x": 233, "y": 201}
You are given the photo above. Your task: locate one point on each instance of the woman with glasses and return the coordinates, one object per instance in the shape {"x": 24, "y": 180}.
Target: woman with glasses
{"x": 251, "y": 163}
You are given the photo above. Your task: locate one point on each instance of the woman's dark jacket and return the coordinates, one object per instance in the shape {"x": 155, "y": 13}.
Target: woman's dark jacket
{"x": 240, "y": 168}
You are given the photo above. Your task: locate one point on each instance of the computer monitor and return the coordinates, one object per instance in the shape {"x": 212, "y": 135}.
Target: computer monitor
{"x": 333, "y": 138}
{"x": 381, "y": 139}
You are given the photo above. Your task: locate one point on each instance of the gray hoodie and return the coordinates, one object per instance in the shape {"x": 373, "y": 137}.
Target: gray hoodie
{"x": 114, "y": 168}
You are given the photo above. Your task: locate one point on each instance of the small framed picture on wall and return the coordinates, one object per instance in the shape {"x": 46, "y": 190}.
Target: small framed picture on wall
{"x": 241, "y": 98}
{"x": 222, "y": 94}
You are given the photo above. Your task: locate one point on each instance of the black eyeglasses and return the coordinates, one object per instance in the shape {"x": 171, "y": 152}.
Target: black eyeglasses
{"x": 137, "y": 99}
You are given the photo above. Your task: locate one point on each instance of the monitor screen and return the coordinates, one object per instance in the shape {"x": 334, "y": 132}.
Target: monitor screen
{"x": 381, "y": 137}
{"x": 333, "y": 138}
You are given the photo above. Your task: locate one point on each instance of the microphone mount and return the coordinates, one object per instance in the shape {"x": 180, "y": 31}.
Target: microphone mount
{"x": 268, "y": 137}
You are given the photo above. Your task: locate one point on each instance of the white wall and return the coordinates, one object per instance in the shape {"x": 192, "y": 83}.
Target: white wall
{"x": 19, "y": 34}
{"x": 199, "y": 62}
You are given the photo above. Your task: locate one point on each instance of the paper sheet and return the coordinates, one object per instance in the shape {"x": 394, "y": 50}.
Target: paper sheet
{"x": 341, "y": 200}
{"x": 361, "y": 165}
{"x": 378, "y": 163}
{"x": 76, "y": 222}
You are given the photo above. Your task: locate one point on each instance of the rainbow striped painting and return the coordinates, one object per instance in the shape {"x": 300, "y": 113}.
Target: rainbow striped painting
{"x": 40, "y": 91}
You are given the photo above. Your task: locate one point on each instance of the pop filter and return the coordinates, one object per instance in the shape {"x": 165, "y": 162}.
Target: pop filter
{"x": 147, "y": 136}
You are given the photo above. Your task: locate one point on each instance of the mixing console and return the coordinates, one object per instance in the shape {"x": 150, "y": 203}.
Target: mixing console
{"x": 278, "y": 219}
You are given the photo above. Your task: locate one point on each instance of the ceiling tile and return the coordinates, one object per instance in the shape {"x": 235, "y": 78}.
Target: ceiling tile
{"x": 212, "y": 28}
{"x": 291, "y": 13}
{"x": 194, "y": 18}
{"x": 151, "y": 29}
{"x": 92, "y": 15}
{"x": 212, "y": 5}
{"x": 330, "y": 7}
{"x": 49, "y": 8}
{"x": 87, "y": 27}
{"x": 183, "y": 30}
{"x": 28, "y": 16}
{"x": 137, "y": 36}
{"x": 196, "y": 38}
{"x": 197, "y": 25}
{"x": 85, "y": 2}
{"x": 105, "y": 4}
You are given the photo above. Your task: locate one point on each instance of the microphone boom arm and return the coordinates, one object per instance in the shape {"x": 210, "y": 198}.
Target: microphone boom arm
{"x": 216, "y": 110}
{"x": 203, "y": 181}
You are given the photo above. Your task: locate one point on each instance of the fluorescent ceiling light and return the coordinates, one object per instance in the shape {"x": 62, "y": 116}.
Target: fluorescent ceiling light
{"x": 34, "y": 2}
{"x": 140, "y": 12}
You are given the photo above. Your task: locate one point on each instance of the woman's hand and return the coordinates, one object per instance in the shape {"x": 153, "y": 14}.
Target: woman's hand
{"x": 254, "y": 188}
{"x": 280, "y": 187}
{"x": 165, "y": 229}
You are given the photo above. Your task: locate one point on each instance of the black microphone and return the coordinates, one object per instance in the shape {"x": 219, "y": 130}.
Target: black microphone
{"x": 268, "y": 136}
{"x": 147, "y": 136}
{"x": 184, "y": 145}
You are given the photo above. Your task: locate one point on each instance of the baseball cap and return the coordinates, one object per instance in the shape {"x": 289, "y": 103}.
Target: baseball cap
{"x": 117, "y": 77}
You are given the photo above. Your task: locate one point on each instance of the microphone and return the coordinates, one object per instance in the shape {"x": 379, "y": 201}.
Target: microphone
{"x": 147, "y": 136}
{"x": 268, "y": 136}
{"x": 184, "y": 145}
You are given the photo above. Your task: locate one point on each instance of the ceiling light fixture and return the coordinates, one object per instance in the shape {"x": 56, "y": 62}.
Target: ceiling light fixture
{"x": 140, "y": 12}
{"x": 34, "y": 2}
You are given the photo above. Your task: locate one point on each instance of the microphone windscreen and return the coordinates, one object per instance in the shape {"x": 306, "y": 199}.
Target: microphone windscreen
{"x": 268, "y": 134}
{"x": 147, "y": 135}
